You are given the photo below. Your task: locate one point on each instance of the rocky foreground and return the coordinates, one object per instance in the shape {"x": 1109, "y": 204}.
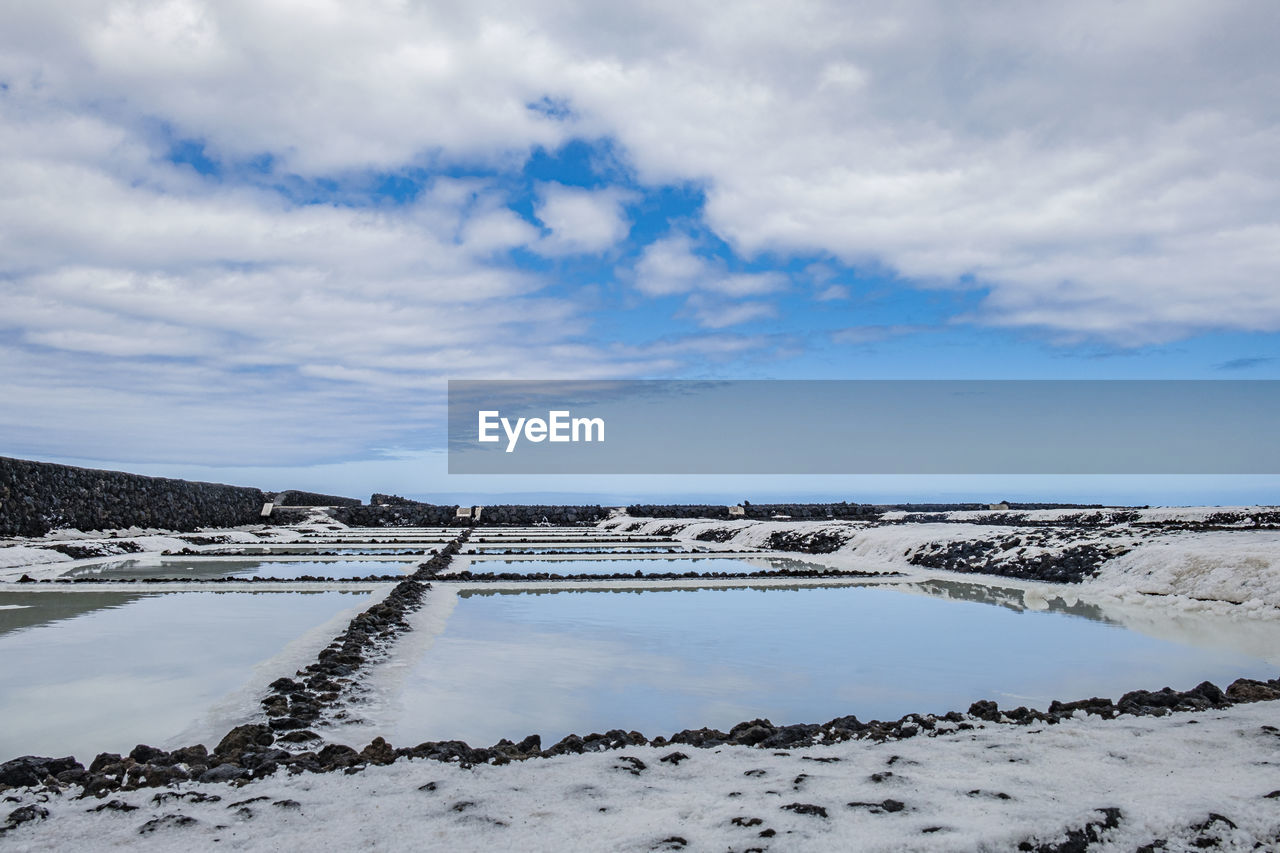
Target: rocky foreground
{"x": 1100, "y": 778}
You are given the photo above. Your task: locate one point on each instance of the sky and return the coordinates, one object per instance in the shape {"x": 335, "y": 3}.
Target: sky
{"x": 251, "y": 241}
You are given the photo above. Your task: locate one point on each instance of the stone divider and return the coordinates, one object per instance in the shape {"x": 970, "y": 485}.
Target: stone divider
{"x": 250, "y": 751}
{"x": 470, "y": 576}
{"x": 257, "y": 579}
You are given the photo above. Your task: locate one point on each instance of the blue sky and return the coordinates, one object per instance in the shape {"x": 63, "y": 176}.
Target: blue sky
{"x": 250, "y": 245}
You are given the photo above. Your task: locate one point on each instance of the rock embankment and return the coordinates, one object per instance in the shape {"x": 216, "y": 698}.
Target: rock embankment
{"x": 815, "y": 572}
{"x": 1071, "y": 564}
{"x": 255, "y": 750}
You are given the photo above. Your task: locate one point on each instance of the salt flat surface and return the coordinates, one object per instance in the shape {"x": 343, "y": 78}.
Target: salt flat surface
{"x": 982, "y": 790}
{"x": 1238, "y": 568}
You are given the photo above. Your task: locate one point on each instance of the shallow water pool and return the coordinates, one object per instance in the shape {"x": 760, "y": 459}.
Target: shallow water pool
{"x": 197, "y": 568}
{"x": 575, "y": 548}
{"x": 629, "y": 566}
{"x": 83, "y": 673}
{"x": 505, "y": 664}
{"x": 424, "y": 549}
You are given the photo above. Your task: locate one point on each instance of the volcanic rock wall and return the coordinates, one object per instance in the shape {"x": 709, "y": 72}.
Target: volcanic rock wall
{"x": 36, "y": 497}
{"x": 392, "y": 511}
{"x": 293, "y": 497}
{"x": 756, "y": 511}
{"x": 406, "y": 514}
{"x": 538, "y": 514}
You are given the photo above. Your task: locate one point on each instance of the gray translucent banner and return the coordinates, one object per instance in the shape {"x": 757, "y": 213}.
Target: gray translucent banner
{"x": 863, "y": 427}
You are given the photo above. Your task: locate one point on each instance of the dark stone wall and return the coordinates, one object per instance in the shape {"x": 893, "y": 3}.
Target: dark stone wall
{"x": 292, "y": 497}
{"x": 391, "y": 500}
{"x": 971, "y": 507}
{"x": 756, "y": 511}
{"x": 390, "y": 511}
{"x": 407, "y": 514}
{"x": 863, "y": 512}
{"x": 538, "y": 513}
{"x": 36, "y": 497}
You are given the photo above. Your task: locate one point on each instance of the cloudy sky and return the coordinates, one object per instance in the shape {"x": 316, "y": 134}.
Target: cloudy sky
{"x": 254, "y": 238}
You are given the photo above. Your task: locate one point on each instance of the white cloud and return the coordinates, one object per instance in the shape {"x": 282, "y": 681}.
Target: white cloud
{"x": 201, "y": 321}
{"x": 495, "y": 229}
{"x": 671, "y": 266}
{"x": 718, "y": 314}
{"x": 324, "y": 86}
{"x": 861, "y": 335}
{"x": 1099, "y": 167}
{"x": 1105, "y": 171}
{"x": 581, "y": 221}
{"x": 1102, "y": 171}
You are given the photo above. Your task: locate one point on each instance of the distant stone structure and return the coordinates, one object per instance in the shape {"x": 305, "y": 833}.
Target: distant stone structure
{"x": 395, "y": 511}
{"x": 292, "y": 497}
{"x": 803, "y": 512}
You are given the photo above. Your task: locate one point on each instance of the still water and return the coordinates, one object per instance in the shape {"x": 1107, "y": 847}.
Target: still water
{"x": 513, "y": 663}
{"x": 195, "y": 568}
{"x": 629, "y": 566}
{"x": 83, "y": 673}
{"x": 576, "y": 548}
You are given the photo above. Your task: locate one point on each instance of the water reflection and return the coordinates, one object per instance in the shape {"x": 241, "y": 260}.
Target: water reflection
{"x": 139, "y": 668}
{"x": 576, "y": 549}
{"x": 197, "y": 568}
{"x": 367, "y": 550}
{"x": 1011, "y": 598}
{"x": 507, "y": 663}
{"x": 26, "y": 609}
{"x": 620, "y": 588}
{"x": 643, "y": 565}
